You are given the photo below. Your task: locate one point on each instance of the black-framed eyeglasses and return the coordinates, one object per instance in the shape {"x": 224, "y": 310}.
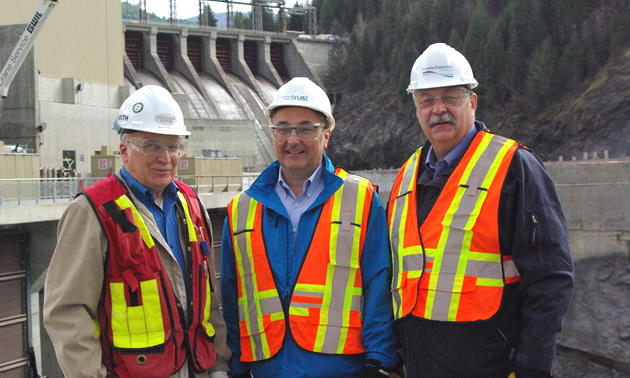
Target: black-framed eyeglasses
{"x": 154, "y": 147}
{"x": 304, "y": 132}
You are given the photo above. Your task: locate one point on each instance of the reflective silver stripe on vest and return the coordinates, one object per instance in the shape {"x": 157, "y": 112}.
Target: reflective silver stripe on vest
{"x": 410, "y": 262}
{"x": 456, "y": 233}
{"x": 347, "y": 242}
{"x": 267, "y": 305}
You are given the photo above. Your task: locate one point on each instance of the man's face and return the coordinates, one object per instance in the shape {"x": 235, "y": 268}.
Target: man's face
{"x": 299, "y": 158}
{"x": 445, "y": 114}
{"x": 154, "y": 171}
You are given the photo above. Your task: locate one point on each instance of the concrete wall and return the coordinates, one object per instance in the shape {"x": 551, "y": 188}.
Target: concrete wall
{"x": 79, "y": 121}
{"x": 81, "y": 38}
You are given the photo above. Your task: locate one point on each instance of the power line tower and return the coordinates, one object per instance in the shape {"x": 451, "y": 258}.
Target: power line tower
{"x": 173, "y": 12}
{"x": 142, "y": 11}
{"x": 311, "y": 11}
{"x": 258, "y": 11}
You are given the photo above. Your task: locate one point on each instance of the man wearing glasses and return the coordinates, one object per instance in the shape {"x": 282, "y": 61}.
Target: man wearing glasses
{"x": 130, "y": 290}
{"x": 482, "y": 269}
{"x": 305, "y": 258}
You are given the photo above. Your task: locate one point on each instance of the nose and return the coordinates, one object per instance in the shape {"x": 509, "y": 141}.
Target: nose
{"x": 164, "y": 156}
{"x": 293, "y": 134}
{"x": 439, "y": 107}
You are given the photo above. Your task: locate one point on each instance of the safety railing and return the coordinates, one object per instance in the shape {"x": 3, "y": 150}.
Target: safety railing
{"x": 25, "y": 191}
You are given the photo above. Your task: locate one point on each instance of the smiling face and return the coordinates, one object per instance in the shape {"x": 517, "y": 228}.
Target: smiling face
{"x": 445, "y": 125}
{"x": 154, "y": 173}
{"x": 299, "y": 158}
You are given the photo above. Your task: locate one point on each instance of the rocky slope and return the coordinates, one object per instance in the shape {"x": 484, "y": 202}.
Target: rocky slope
{"x": 372, "y": 132}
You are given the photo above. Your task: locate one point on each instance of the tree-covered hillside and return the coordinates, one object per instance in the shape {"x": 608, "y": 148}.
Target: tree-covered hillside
{"x": 532, "y": 58}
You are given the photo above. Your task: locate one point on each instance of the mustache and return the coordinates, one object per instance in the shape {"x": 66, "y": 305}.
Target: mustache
{"x": 446, "y": 117}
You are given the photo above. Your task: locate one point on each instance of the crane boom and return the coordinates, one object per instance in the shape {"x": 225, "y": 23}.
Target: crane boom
{"x": 24, "y": 45}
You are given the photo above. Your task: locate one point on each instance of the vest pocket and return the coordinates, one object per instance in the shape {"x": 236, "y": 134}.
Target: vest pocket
{"x": 138, "y": 313}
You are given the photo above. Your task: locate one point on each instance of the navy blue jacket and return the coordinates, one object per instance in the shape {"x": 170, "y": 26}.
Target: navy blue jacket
{"x": 523, "y": 333}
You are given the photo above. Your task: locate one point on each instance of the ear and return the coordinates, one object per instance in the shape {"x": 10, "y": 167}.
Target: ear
{"x": 124, "y": 152}
{"x": 473, "y": 102}
{"x": 326, "y": 137}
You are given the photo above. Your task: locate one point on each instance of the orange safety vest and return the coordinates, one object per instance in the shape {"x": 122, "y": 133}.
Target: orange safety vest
{"x": 140, "y": 321}
{"x": 452, "y": 268}
{"x": 325, "y": 313}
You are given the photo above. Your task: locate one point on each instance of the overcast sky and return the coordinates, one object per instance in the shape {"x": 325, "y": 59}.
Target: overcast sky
{"x": 188, "y": 8}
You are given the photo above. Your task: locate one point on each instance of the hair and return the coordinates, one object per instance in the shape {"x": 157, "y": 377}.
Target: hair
{"x": 321, "y": 115}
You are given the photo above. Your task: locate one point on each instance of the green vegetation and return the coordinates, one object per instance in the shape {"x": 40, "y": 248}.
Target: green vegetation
{"x": 522, "y": 51}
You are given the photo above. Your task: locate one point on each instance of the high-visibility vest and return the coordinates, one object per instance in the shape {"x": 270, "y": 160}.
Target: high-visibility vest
{"x": 325, "y": 312}
{"x": 452, "y": 268}
{"x": 140, "y": 322}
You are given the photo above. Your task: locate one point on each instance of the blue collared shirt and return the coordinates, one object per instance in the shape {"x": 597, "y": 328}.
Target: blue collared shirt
{"x": 452, "y": 158}
{"x": 296, "y": 206}
{"x": 165, "y": 216}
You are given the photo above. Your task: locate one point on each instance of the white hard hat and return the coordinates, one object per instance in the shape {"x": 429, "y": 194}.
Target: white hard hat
{"x": 151, "y": 109}
{"x": 440, "y": 65}
{"x": 302, "y": 92}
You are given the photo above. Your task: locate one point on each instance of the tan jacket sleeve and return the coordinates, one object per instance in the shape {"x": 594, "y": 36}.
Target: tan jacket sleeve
{"x": 72, "y": 291}
{"x": 216, "y": 318}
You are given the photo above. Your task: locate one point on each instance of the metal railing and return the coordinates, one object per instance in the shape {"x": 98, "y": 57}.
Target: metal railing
{"x": 26, "y": 191}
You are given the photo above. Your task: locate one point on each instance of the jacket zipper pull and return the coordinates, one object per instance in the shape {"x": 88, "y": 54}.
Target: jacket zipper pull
{"x": 534, "y": 230}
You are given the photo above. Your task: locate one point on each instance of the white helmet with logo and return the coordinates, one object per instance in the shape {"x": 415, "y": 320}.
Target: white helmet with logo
{"x": 302, "y": 92}
{"x": 440, "y": 65}
{"x": 151, "y": 109}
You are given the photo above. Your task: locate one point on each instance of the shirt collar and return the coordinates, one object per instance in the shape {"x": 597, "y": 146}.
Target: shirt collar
{"x": 314, "y": 180}
{"x": 453, "y": 157}
{"x": 143, "y": 194}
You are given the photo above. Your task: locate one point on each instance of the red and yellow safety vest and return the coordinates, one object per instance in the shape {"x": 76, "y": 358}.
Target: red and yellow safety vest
{"x": 140, "y": 321}
{"x": 325, "y": 313}
{"x": 452, "y": 268}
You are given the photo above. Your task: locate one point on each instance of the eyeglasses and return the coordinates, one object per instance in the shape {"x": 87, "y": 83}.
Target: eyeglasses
{"x": 282, "y": 133}
{"x": 154, "y": 147}
{"x": 451, "y": 99}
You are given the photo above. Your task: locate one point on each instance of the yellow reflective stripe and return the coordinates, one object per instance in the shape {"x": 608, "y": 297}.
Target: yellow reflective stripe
{"x": 124, "y": 202}
{"x": 97, "y": 327}
{"x": 120, "y": 332}
{"x": 485, "y": 141}
{"x": 495, "y": 282}
{"x": 131, "y": 327}
{"x": 249, "y": 225}
{"x": 299, "y": 311}
{"x": 489, "y": 257}
{"x": 310, "y": 288}
{"x": 191, "y": 227}
{"x": 207, "y": 326}
{"x": 153, "y": 312}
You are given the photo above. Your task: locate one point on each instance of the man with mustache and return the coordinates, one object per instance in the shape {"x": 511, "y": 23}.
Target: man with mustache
{"x": 482, "y": 269}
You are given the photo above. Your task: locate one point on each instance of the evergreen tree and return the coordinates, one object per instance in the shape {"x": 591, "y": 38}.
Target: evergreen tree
{"x": 541, "y": 76}
{"x": 242, "y": 21}
{"x": 210, "y": 19}
{"x": 367, "y": 52}
{"x": 478, "y": 30}
{"x": 269, "y": 23}
{"x": 492, "y": 63}
{"x": 354, "y": 66}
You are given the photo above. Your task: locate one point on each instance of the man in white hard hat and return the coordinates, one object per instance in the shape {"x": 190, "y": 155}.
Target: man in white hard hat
{"x": 130, "y": 290}
{"x": 305, "y": 259}
{"x": 482, "y": 269}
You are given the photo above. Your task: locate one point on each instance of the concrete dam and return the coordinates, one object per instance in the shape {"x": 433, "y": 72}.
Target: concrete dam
{"x": 221, "y": 78}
